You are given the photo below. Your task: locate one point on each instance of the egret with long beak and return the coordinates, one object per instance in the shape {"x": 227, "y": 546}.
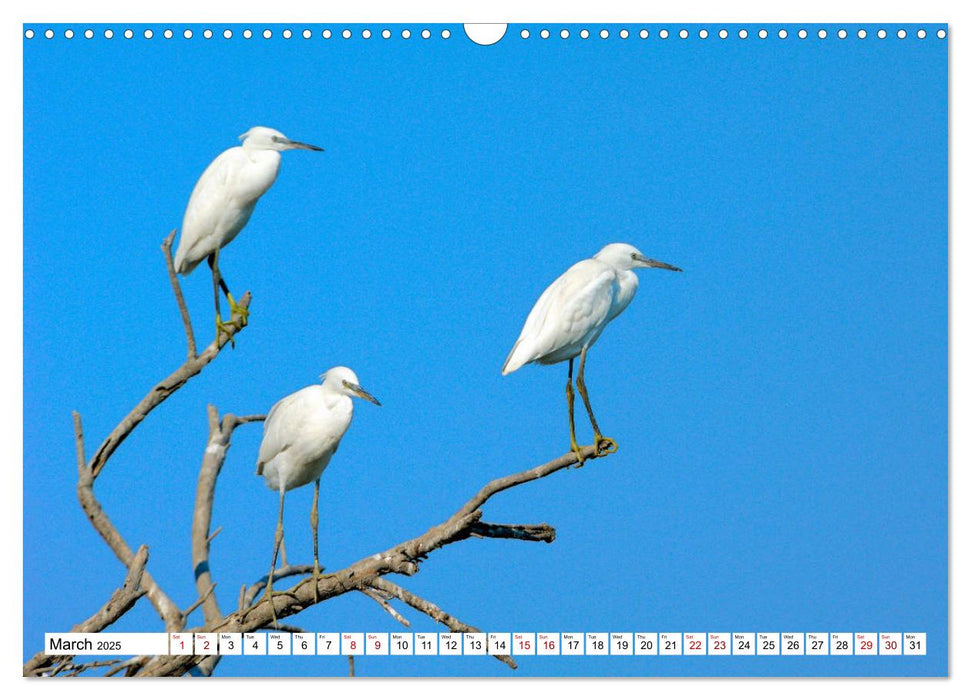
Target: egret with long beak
{"x": 572, "y": 313}
{"x": 300, "y": 435}
{"x": 223, "y": 201}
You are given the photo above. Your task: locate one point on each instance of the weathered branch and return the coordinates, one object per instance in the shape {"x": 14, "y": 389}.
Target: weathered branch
{"x": 370, "y": 593}
{"x": 120, "y": 602}
{"x": 401, "y": 559}
{"x": 177, "y": 290}
{"x": 248, "y": 595}
{"x": 433, "y": 611}
{"x": 190, "y": 368}
{"x": 167, "y": 610}
{"x": 212, "y": 463}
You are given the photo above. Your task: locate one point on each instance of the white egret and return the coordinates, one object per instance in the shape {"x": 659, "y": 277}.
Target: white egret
{"x": 572, "y": 313}
{"x": 223, "y": 200}
{"x": 300, "y": 435}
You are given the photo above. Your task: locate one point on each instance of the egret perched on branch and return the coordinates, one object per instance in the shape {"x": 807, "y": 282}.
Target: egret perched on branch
{"x": 223, "y": 200}
{"x": 300, "y": 435}
{"x": 572, "y": 313}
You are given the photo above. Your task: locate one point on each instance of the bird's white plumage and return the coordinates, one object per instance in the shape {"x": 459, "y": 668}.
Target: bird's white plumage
{"x": 303, "y": 431}
{"x": 223, "y": 199}
{"x": 573, "y": 311}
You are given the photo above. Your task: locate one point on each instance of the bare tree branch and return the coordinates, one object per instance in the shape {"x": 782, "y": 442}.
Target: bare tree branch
{"x": 249, "y": 594}
{"x": 433, "y": 611}
{"x": 369, "y": 592}
{"x": 401, "y": 559}
{"x": 177, "y": 290}
{"x": 167, "y": 610}
{"x": 120, "y": 602}
{"x": 161, "y": 391}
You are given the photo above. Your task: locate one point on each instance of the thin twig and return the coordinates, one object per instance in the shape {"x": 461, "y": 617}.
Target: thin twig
{"x": 433, "y": 611}
{"x": 179, "y": 299}
{"x": 370, "y": 593}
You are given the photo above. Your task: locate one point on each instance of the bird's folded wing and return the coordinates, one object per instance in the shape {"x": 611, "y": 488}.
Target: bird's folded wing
{"x": 569, "y": 310}
{"x": 282, "y": 424}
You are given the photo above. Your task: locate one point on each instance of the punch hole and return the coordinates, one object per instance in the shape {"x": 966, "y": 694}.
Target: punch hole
{"x": 129, "y": 33}
{"x": 386, "y": 34}
{"x": 722, "y": 33}
{"x": 29, "y": 34}
{"x": 663, "y": 33}
{"x": 821, "y": 33}
{"x": 683, "y": 34}
{"x": 703, "y": 33}
{"x": 366, "y": 34}
{"x": 564, "y": 33}
{"x": 287, "y": 34}
{"x": 941, "y": 34}
{"x": 227, "y": 34}
{"x": 624, "y": 33}
{"x": 109, "y": 33}
{"x": 861, "y": 33}
{"x": 88, "y": 34}
{"x": 604, "y": 33}
{"x": 247, "y": 33}
{"x": 207, "y": 34}
{"x": 783, "y": 34}
{"x": 763, "y": 34}
{"x": 803, "y": 33}
{"x": 306, "y": 34}
{"x": 545, "y": 34}
{"x": 446, "y": 34}
{"x": 68, "y": 33}
{"x": 743, "y": 34}
{"x": 882, "y": 34}
{"x": 644, "y": 34}
{"x": 901, "y": 34}
{"x": 524, "y": 34}
{"x": 921, "y": 34}
{"x": 327, "y": 34}
{"x": 49, "y": 34}
{"x": 425, "y": 34}
{"x": 266, "y": 34}
{"x": 841, "y": 33}
{"x": 405, "y": 33}
{"x": 584, "y": 34}
{"x": 168, "y": 33}
{"x": 346, "y": 33}
{"x": 489, "y": 34}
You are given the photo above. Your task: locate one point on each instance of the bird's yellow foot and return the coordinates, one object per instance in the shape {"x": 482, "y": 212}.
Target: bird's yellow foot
{"x": 238, "y": 310}
{"x": 576, "y": 450}
{"x": 605, "y": 445}
{"x": 228, "y": 328}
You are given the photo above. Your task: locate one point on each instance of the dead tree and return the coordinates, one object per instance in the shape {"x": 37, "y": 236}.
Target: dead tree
{"x": 366, "y": 576}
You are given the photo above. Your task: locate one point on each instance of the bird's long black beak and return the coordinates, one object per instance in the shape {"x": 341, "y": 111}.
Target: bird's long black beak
{"x": 303, "y": 146}
{"x": 647, "y": 262}
{"x": 359, "y": 390}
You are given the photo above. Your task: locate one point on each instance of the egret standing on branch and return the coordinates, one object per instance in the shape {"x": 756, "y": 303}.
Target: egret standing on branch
{"x": 300, "y": 435}
{"x": 223, "y": 200}
{"x": 572, "y": 313}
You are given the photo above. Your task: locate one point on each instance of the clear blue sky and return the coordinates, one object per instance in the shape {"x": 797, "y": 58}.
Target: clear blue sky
{"x": 781, "y": 406}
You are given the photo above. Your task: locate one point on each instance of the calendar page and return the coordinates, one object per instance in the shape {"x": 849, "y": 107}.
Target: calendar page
{"x": 513, "y": 350}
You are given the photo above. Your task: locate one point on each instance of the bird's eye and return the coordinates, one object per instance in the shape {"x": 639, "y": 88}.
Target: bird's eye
{"x": 277, "y": 139}
{"x": 633, "y": 256}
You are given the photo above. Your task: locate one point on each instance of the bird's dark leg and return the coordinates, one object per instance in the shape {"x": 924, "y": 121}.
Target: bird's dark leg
{"x": 598, "y": 439}
{"x": 219, "y": 283}
{"x": 277, "y": 541}
{"x": 569, "y": 403}
{"x": 314, "y": 523}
